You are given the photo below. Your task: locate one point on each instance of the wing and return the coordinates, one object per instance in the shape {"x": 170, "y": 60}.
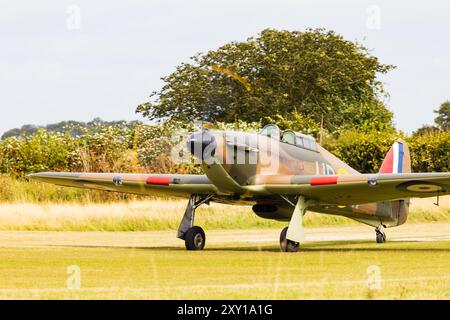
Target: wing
{"x": 145, "y": 184}
{"x": 360, "y": 188}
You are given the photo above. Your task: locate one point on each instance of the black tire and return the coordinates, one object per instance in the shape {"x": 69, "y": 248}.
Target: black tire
{"x": 381, "y": 237}
{"x": 195, "y": 239}
{"x": 287, "y": 245}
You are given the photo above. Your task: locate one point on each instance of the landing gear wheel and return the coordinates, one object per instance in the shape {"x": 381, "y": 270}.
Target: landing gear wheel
{"x": 381, "y": 236}
{"x": 287, "y": 245}
{"x": 195, "y": 239}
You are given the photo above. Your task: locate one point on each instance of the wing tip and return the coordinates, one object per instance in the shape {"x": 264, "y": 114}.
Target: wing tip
{"x": 49, "y": 175}
{"x": 34, "y": 175}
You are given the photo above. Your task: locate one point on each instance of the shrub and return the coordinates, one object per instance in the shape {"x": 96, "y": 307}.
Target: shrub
{"x": 431, "y": 152}
{"x": 362, "y": 151}
{"x": 148, "y": 148}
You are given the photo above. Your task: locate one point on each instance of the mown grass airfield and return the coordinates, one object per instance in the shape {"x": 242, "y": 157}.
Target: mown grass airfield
{"x": 335, "y": 262}
{"x": 283, "y": 165}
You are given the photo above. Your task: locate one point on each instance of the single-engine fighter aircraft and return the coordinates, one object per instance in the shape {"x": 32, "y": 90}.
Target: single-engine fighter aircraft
{"x": 282, "y": 175}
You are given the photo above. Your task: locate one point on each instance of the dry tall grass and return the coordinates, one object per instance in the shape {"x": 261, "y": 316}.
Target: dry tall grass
{"x": 120, "y": 216}
{"x": 158, "y": 214}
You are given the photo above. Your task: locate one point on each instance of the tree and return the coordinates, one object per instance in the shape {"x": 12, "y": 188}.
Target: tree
{"x": 443, "y": 118}
{"x": 74, "y": 128}
{"x": 313, "y": 73}
{"x": 11, "y": 133}
{"x": 25, "y": 130}
{"x": 441, "y": 121}
{"x": 426, "y": 130}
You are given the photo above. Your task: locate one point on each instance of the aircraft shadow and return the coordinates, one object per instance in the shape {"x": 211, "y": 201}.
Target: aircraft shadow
{"x": 326, "y": 246}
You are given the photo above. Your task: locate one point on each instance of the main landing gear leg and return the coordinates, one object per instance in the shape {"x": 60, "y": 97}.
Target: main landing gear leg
{"x": 193, "y": 236}
{"x": 380, "y": 235}
{"x": 292, "y": 235}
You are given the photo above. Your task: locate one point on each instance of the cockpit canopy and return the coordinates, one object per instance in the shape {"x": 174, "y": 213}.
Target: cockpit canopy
{"x": 288, "y": 136}
{"x": 271, "y": 130}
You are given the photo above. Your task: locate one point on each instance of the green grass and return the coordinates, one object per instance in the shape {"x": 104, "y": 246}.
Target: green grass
{"x": 322, "y": 270}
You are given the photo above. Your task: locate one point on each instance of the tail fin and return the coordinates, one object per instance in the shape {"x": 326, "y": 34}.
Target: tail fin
{"x": 397, "y": 160}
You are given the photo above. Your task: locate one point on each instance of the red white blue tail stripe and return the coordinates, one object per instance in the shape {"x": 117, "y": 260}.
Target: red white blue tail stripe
{"x": 393, "y": 163}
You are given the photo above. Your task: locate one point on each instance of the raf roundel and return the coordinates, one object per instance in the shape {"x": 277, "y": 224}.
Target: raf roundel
{"x": 421, "y": 186}
{"x": 117, "y": 180}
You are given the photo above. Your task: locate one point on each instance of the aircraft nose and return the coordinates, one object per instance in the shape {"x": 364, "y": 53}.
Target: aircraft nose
{"x": 202, "y": 145}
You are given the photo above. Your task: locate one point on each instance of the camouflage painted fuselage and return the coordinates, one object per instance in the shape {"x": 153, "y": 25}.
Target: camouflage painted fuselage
{"x": 272, "y": 174}
{"x": 240, "y": 162}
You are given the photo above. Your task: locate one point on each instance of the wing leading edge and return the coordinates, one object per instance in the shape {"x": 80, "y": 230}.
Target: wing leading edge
{"x": 144, "y": 184}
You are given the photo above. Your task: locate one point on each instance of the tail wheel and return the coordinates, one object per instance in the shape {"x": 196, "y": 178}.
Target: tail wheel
{"x": 381, "y": 237}
{"x": 195, "y": 239}
{"x": 288, "y": 245}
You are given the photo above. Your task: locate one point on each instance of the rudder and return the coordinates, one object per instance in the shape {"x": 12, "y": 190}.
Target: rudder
{"x": 398, "y": 159}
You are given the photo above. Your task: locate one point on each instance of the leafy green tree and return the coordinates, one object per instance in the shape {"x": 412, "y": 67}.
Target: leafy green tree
{"x": 25, "y": 130}
{"x": 73, "y": 128}
{"x": 11, "y": 133}
{"x": 443, "y": 118}
{"x": 313, "y": 73}
{"x": 426, "y": 130}
{"x": 441, "y": 121}
{"x": 296, "y": 122}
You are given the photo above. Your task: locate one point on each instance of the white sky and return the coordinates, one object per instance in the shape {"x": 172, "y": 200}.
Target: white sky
{"x": 51, "y": 72}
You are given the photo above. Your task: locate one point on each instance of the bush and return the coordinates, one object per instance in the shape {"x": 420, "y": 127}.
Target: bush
{"x": 40, "y": 152}
{"x": 362, "y": 151}
{"x": 365, "y": 151}
{"x": 147, "y": 148}
{"x": 431, "y": 152}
